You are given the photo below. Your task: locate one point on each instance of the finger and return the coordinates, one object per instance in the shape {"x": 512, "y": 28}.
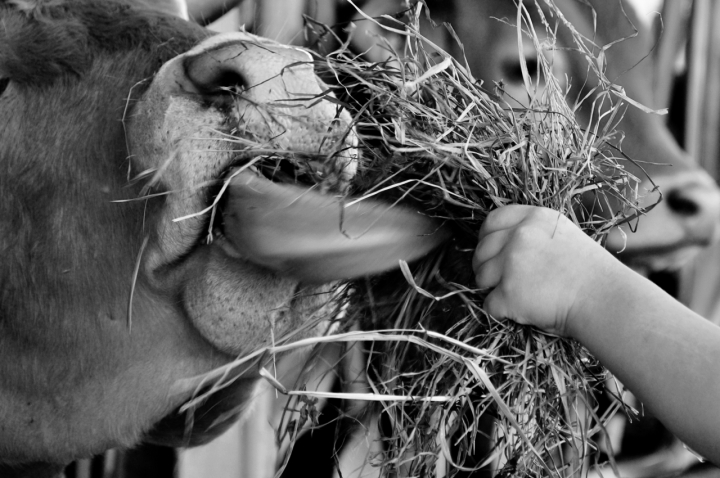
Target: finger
{"x": 490, "y": 246}
{"x": 504, "y": 217}
{"x": 490, "y": 273}
{"x": 496, "y": 305}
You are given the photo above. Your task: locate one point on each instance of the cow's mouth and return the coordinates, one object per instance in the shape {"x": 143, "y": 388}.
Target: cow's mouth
{"x": 280, "y": 176}
{"x": 661, "y": 258}
{"x": 207, "y": 421}
{"x": 659, "y": 244}
{"x": 280, "y": 230}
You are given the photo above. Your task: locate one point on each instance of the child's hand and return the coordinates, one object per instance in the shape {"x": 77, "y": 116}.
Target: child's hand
{"x": 543, "y": 268}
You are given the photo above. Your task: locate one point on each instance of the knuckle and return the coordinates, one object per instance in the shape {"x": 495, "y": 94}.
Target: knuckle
{"x": 524, "y": 236}
{"x": 482, "y": 278}
{"x": 491, "y": 217}
{"x": 491, "y": 305}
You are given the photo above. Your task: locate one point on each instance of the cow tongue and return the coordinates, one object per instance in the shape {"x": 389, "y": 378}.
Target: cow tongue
{"x": 261, "y": 281}
{"x": 314, "y": 238}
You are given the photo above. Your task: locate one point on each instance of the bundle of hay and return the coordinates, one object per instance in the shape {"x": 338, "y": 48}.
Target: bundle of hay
{"x": 436, "y": 140}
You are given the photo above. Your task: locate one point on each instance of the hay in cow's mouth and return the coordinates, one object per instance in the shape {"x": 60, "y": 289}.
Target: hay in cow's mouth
{"x": 433, "y": 138}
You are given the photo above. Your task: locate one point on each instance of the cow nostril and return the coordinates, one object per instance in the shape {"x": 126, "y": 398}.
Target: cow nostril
{"x": 228, "y": 80}
{"x": 212, "y": 75}
{"x": 681, "y": 204}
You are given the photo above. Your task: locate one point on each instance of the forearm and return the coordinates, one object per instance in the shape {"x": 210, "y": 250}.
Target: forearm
{"x": 668, "y": 356}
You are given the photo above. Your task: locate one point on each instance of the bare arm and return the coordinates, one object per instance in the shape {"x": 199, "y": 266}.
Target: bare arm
{"x": 546, "y": 272}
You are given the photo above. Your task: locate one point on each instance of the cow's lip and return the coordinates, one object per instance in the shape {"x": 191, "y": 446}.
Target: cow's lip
{"x": 667, "y": 253}
{"x": 207, "y": 420}
{"x": 344, "y": 162}
{"x": 669, "y": 257}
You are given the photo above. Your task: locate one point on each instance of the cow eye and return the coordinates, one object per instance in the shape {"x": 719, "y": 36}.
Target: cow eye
{"x": 532, "y": 66}
{"x": 4, "y": 82}
{"x": 512, "y": 71}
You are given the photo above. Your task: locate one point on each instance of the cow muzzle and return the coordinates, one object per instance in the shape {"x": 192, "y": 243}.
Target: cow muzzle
{"x": 686, "y": 220}
{"x": 247, "y": 256}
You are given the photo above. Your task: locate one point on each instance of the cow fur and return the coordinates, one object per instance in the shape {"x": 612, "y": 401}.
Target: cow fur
{"x": 61, "y": 232}
{"x": 100, "y": 293}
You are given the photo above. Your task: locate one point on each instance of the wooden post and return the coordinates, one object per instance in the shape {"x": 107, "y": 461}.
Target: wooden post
{"x": 672, "y": 37}
{"x": 700, "y": 281}
{"x": 697, "y": 74}
{"x": 709, "y": 145}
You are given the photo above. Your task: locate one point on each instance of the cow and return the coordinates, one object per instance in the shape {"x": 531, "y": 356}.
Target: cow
{"x": 121, "y": 126}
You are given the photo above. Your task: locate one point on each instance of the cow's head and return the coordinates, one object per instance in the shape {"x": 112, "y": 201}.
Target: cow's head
{"x": 116, "y": 122}
{"x": 688, "y": 217}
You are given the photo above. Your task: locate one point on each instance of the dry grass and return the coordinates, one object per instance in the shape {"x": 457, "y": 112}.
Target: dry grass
{"x": 434, "y": 138}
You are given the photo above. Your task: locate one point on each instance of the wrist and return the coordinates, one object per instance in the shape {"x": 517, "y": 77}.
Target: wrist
{"x": 603, "y": 287}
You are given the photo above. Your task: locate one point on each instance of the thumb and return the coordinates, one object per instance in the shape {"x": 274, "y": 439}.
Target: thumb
{"x": 496, "y": 304}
